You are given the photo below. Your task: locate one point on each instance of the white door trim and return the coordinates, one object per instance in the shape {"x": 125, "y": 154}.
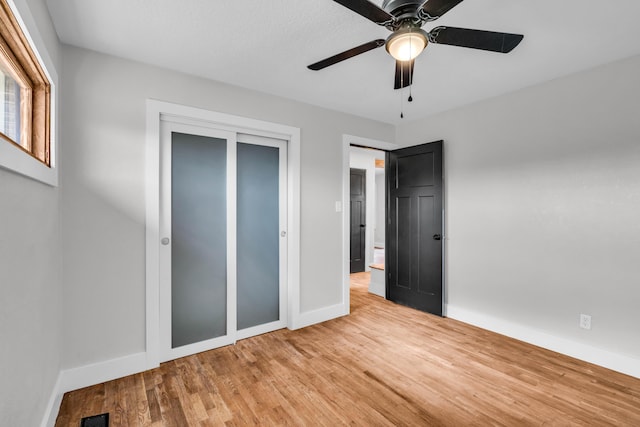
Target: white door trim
{"x": 190, "y": 115}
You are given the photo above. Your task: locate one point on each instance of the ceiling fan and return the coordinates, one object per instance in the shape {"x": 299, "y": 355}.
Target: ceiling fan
{"x": 405, "y": 19}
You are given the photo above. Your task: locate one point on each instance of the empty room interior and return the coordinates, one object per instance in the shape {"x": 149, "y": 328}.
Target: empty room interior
{"x": 330, "y": 212}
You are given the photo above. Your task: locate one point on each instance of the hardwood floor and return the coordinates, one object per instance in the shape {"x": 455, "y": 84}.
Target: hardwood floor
{"x": 383, "y": 365}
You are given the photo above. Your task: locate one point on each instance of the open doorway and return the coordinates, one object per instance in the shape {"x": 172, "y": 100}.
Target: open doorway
{"x": 366, "y": 203}
{"x": 412, "y": 272}
{"x": 366, "y": 214}
{"x": 347, "y": 142}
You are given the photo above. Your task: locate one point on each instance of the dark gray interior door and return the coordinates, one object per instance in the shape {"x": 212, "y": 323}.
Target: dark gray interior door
{"x": 414, "y": 227}
{"x": 358, "y": 219}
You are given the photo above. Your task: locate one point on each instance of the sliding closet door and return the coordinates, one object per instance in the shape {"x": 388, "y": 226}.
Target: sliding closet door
{"x": 261, "y": 235}
{"x": 224, "y": 242}
{"x": 197, "y": 260}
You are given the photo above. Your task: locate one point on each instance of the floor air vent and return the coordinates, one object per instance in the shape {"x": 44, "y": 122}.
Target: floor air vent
{"x": 101, "y": 420}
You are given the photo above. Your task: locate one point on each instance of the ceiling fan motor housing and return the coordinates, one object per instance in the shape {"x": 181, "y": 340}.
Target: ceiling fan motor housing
{"x": 402, "y": 9}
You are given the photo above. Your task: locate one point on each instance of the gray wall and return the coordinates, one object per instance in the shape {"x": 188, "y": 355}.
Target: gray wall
{"x": 543, "y": 201}
{"x": 30, "y": 285}
{"x": 30, "y": 303}
{"x": 102, "y": 199}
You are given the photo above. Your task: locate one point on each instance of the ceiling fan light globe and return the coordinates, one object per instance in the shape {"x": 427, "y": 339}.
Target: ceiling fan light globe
{"x": 406, "y": 45}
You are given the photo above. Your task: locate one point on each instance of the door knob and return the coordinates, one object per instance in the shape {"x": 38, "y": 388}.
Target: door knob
{"x": 165, "y": 241}
{"x": 437, "y": 237}
{"x": 362, "y": 225}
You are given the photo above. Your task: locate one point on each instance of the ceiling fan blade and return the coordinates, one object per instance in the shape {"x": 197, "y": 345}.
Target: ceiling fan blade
{"x": 368, "y": 10}
{"x": 346, "y": 54}
{"x": 436, "y": 8}
{"x": 475, "y": 39}
{"x": 404, "y": 74}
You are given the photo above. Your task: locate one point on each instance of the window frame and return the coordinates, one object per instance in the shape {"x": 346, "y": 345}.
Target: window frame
{"x": 35, "y": 155}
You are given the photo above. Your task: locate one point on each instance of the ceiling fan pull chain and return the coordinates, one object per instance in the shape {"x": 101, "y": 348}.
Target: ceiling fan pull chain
{"x": 401, "y": 89}
{"x": 411, "y": 65}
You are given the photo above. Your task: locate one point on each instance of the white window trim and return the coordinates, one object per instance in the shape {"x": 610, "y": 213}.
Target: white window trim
{"x": 12, "y": 157}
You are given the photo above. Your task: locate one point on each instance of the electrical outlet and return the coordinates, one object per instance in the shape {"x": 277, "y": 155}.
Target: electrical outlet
{"x": 585, "y": 321}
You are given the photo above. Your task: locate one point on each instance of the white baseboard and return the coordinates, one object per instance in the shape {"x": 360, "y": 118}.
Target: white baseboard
{"x": 53, "y": 406}
{"x": 321, "y": 315}
{"x": 85, "y": 376}
{"x": 610, "y": 360}
{"x": 96, "y": 373}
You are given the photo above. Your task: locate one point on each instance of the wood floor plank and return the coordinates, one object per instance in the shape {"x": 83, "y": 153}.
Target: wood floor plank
{"x": 384, "y": 365}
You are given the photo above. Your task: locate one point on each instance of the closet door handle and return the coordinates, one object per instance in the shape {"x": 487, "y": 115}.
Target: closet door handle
{"x": 437, "y": 237}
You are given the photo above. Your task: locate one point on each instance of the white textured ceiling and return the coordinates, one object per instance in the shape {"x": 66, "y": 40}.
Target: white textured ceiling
{"x": 266, "y": 45}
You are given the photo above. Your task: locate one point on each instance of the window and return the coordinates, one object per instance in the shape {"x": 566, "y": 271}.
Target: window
{"x": 9, "y": 106}
{"x": 25, "y": 91}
